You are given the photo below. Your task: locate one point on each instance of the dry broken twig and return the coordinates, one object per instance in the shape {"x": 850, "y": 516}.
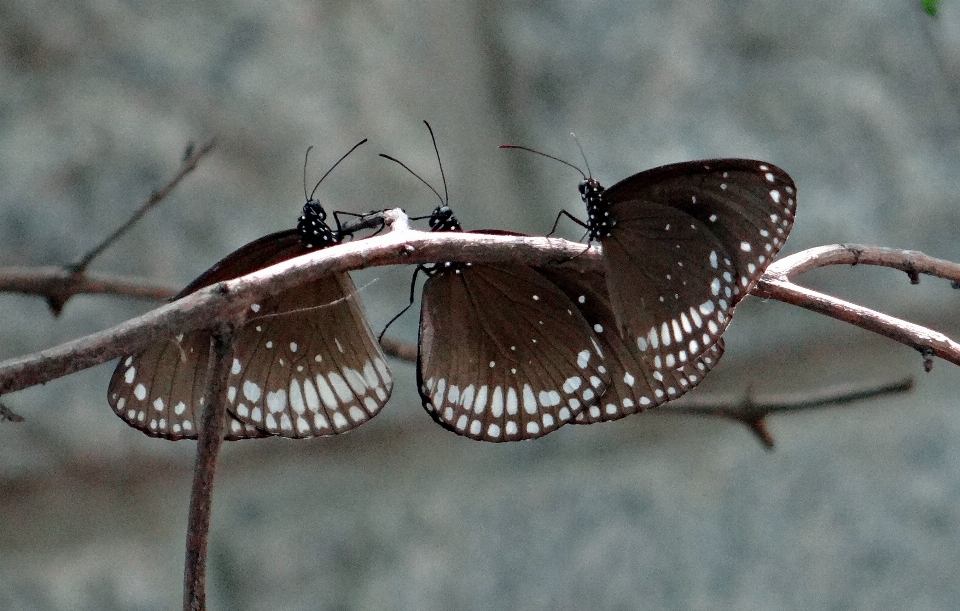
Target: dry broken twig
{"x": 73, "y": 275}
{"x": 752, "y": 411}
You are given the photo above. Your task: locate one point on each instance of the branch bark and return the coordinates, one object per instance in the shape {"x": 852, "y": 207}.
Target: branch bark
{"x": 403, "y": 246}
{"x": 209, "y": 441}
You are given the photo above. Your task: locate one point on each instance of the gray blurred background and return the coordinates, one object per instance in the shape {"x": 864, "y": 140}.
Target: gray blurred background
{"x": 858, "y": 508}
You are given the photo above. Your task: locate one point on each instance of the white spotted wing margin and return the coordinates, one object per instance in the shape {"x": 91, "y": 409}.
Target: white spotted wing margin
{"x": 503, "y": 354}
{"x": 307, "y": 363}
{"x": 161, "y": 390}
{"x": 637, "y": 384}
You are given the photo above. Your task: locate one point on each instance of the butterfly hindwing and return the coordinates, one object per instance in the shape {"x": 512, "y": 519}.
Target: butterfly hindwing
{"x": 161, "y": 390}
{"x": 307, "y": 364}
{"x": 503, "y": 354}
{"x": 636, "y": 383}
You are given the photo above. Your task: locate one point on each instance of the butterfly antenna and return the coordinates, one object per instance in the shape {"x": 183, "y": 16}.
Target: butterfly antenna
{"x": 305, "y": 159}
{"x": 446, "y": 193}
{"x": 331, "y": 167}
{"x": 536, "y": 152}
{"x": 404, "y": 166}
{"x": 582, "y": 154}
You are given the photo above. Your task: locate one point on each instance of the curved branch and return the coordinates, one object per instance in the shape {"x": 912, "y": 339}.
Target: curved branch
{"x": 776, "y": 284}
{"x": 912, "y": 262}
{"x": 402, "y": 245}
{"x": 232, "y": 299}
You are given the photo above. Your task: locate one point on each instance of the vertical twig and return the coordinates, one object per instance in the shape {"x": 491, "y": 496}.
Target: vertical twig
{"x": 208, "y": 446}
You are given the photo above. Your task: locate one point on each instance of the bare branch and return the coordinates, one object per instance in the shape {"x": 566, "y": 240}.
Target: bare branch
{"x": 232, "y": 300}
{"x": 208, "y": 447}
{"x": 909, "y": 261}
{"x": 59, "y": 284}
{"x": 776, "y": 284}
{"x": 401, "y": 245}
{"x": 189, "y": 165}
{"x": 753, "y": 412}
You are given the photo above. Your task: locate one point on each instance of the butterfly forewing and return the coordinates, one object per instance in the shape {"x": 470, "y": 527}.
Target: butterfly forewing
{"x": 504, "y": 355}
{"x": 307, "y": 363}
{"x": 636, "y": 384}
{"x": 690, "y": 240}
{"x": 161, "y": 390}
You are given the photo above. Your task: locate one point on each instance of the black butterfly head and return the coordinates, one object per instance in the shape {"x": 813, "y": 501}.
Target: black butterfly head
{"x": 312, "y": 227}
{"x": 312, "y": 224}
{"x": 443, "y": 219}
{"x": 599, "y": 221}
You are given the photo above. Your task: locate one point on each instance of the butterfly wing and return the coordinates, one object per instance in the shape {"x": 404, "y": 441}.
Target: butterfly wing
{"x": 636, "y": 384}
{"x": 690, "y": 240}
{"x": 161, "y": 390}
{"x": 307, "y": 364}
{"x": 503, "y": 354}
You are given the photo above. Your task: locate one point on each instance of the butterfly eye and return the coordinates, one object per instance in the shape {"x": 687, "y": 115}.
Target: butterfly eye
{"x": 583, "y": 187}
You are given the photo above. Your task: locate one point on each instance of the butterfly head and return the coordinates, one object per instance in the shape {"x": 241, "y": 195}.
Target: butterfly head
{"x": 443, "y": 219}
{"x": 312, "y": 226}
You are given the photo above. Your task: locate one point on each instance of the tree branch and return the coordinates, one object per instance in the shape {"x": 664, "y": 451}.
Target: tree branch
{"x": 753, "y": 412}
{"x": 209, "y": 440}
{"x": 56, "y": 283}
{"x": 73, "y": 278}
{"x": 232, "y": 300}
{"x": 776, "y": 284}
{"x": 401, "y": 245}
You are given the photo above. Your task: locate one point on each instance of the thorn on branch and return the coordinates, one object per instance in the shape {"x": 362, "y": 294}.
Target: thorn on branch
{"x": 6, "y": 415}
{"x": 914, "y": 275}
{"x": 856, "y": 251}
{"x": 954, "y": 284}
{"x": 758, "y": 426}
{"x": 927, "y": 354}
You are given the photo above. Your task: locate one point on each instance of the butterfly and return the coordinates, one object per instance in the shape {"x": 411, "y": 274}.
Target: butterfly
{"x": 305, "y": 363}
{"x": 503, "y": 354}
{"x": 682, "y": 245}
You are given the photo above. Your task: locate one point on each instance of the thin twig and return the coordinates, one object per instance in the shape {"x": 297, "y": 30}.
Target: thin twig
{"x": 6, "y": 415}
{"x": 53, "y": 282}
{"x": 189, "y": 165}
{"x": 208, "y": 447}
{"x": 752, "y": 412}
